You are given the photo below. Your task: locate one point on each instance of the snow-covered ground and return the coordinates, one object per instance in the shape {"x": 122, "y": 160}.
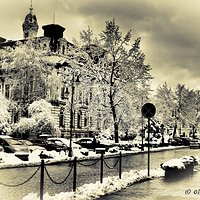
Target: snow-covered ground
{"x": 92, "y": 191}
{"x": 87, "y": 191}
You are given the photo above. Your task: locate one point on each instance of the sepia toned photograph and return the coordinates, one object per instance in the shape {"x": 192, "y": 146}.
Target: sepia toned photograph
{"x": 99, "y": 100}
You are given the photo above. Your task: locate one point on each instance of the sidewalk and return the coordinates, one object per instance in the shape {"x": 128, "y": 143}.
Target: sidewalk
{"x": 10, "y": 161}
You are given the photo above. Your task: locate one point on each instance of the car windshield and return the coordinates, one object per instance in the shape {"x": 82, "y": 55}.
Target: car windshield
{"x": 27, "y": 142}
{"x": 13, "y": 142}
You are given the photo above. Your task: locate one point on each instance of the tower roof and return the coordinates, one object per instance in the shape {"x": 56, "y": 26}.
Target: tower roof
{"x": 30, "y": 25}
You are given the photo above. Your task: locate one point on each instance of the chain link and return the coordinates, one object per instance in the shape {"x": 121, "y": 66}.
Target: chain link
{"x": 109, "y": 167}
{"x": 19, "y": 184}
{"x": 55, "y": 182}
{"x": 88, "y": 165}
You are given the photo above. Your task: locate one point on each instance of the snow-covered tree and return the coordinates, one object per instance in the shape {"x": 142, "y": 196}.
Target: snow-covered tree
{"x": 4, "y": 115}
{"x": 165, "y": 104}
{"x": 40, "y": 121}
{"x": 119, "y": 70}
{"x": 45, "y": 123}
{"x": 186, "y": 105}
{"x": 28, "y": 70}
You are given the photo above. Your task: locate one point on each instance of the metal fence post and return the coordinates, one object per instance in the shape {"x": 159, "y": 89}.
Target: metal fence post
{"x": 120, "y": 165}
{"x": 75, "y": 174}
{"x": 42, "y": 180}
{"x": 101, "y": 174}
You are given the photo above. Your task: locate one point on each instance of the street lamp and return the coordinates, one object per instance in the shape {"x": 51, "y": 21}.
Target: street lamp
{"x": 72, "y": 113}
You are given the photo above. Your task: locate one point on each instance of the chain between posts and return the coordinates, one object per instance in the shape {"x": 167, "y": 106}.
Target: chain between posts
{"x": 56, "y": 181}
{"x": 109, "y": 167}
{"x": 91, "y": 164}
{"x": 19, "y": 184}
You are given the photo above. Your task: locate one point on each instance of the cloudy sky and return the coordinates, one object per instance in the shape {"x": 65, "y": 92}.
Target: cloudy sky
{"x": 170, "y": 29}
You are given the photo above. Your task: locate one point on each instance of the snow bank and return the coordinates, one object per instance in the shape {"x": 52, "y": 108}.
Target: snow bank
{"x": 178, "y": 163}
{"x": 95, "y": 190}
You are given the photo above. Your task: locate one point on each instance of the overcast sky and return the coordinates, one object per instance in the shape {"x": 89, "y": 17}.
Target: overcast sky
{"x": 170, "y": 29}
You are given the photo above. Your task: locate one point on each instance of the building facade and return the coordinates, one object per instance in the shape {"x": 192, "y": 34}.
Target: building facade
{"x": 69, "y": 101}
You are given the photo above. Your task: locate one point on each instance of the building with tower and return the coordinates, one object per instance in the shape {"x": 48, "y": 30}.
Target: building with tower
{"x": 54, "y": 49}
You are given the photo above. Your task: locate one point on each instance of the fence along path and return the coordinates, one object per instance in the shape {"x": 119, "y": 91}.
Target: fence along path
{"x": 43, "y": 168}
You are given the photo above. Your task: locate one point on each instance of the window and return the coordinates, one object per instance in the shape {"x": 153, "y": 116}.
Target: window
{"x": 15, "y": 116}
{"x": 79, "y": 118}
{"x": 7, "y": 91}
{"x": 63, "y": 49}
{"x": 62, "y": 118}
{"x": 85, "y": 120}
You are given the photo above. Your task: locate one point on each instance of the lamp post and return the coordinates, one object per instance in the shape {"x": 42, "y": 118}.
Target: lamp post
{"x": 71, "y": 117}
{"x": 72, "y": 112}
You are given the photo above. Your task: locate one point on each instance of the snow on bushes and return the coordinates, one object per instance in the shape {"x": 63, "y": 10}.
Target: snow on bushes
{"x": 40, "y": 111}
{"x": 41, "y": 120}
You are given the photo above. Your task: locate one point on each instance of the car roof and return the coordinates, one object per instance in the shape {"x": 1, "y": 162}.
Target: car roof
{"x": 5, "y": 136}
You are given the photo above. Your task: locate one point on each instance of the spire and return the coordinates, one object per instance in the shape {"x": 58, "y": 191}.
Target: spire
{"x": 31, "y": 7}
{"x": 30, "y": 25}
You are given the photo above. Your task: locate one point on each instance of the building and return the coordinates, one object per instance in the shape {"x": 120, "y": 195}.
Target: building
{"x": 70, "y": 103}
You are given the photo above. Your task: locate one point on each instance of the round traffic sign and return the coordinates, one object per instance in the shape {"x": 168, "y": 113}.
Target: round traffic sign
{"x": 148, "y": 110}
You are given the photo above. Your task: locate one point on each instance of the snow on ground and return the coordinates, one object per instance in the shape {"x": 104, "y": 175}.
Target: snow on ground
{"x": 92, "y": 191}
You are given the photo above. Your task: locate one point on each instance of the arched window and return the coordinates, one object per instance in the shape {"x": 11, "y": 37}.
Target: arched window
{"x": 62, "y": 117}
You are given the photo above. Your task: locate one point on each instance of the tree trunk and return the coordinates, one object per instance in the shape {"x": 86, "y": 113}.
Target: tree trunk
{"x": 113, "y": 108}
{"x": 116, "y": 124}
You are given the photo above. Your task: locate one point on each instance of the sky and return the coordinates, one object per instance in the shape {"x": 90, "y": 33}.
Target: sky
{"x": 170, "y": 30}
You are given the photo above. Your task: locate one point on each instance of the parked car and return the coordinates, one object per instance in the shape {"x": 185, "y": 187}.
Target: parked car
{"x": 175, "y": 141}
{"x": 31, "y": 146}
{"x": 91, "y": 143}
{"x": 11, "y": 145}
{"x": 195, "y": 143}
{"x": 155, "y": 142}
{"x": 44, "y": 136}
{"x": 49, "y": 145}
{"x": 76, "y": 148}
{"x": 185, "y": 141}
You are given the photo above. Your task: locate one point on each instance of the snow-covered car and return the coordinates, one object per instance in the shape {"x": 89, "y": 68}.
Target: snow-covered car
{"x": 31, "y": 146}
{"x": 76, "y": 148}
{"x": 16, "y": 147}
{"x": 155, "y": 142}
{"x": 91, "y": 143}
{"x": 11, "y": 145}
{"x": 195, "y": 143}
{"x": 49, "y": 145}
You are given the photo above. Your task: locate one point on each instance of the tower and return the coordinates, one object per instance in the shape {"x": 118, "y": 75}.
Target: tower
{"x": 30, "y": 25}
{"x": 55, "y": 32}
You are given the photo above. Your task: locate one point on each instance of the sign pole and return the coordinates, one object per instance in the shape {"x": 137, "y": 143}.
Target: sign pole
{"x": 148, "y": 111}
{"x": 148, "y": 146}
